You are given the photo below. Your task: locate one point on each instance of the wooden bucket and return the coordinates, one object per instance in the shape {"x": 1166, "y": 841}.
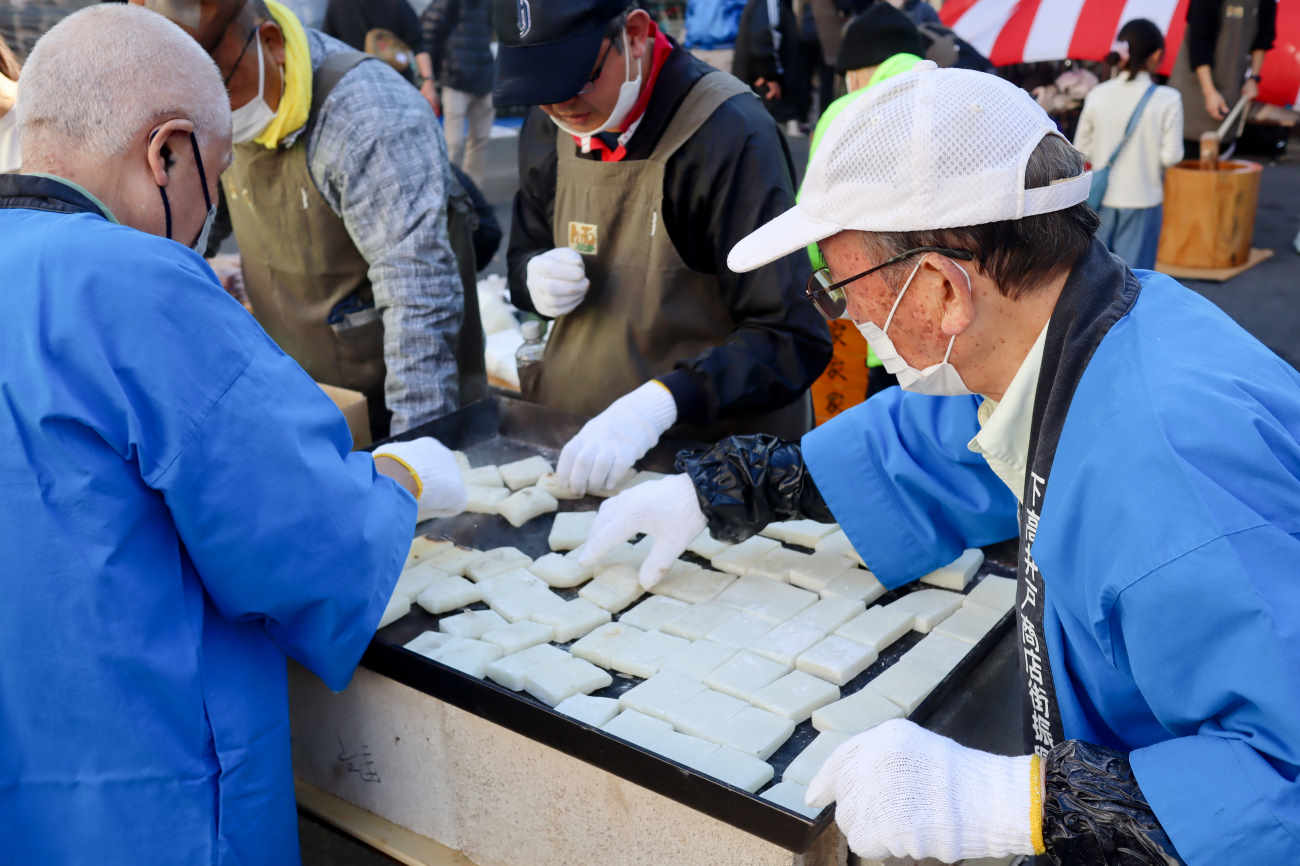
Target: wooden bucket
{"x": 1209, "y": 216}
{"x": 844, "y": 382}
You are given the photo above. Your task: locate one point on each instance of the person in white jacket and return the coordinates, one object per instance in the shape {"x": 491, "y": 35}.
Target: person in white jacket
{"x": 1132, "y": 208}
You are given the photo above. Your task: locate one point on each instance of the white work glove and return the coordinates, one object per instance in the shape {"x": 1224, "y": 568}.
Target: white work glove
{"x": 902, "y": 791}
{"x": 667, "y": 510}
{"x": 607, "y": 445}
{"x": 557, "y": 281}
{"x": 440, "y": 490}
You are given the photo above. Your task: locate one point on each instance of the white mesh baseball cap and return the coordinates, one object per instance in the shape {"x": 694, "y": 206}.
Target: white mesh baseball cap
{"x": 929, "y": 149}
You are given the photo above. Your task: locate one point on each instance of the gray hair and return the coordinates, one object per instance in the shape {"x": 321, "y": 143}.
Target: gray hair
{"x": 1017, "y": 254}
{"x": 103, "y": 75}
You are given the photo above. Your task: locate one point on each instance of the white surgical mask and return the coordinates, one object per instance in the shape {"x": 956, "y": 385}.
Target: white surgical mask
{"x": 200, "y": 244}
{"x": 939, "y": 380}
{"x": 248, "y": 121}
{"x": 628, "y": 92}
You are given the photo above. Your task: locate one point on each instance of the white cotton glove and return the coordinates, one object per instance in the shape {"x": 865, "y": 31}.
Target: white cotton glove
{"x": 901, "y": 791}
{"x": 440, "y": 490}
{"x": 557, "y": 281}
{"x": 666, "y": 510}
{"x": 607, "y": 445}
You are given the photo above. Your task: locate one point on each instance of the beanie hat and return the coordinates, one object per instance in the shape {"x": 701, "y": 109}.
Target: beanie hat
{"x": 874, "y": 36}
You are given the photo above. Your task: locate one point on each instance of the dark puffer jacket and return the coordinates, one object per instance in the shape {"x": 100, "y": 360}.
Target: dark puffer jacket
{"x": 456, "y": 35}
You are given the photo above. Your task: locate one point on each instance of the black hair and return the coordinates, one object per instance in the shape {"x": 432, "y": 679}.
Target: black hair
{"x": 1144, "y": 40}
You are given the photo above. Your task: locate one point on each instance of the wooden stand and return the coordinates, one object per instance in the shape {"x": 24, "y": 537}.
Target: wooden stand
{"x": 1209, "y": 216}
{"x": 1215, "y": 275}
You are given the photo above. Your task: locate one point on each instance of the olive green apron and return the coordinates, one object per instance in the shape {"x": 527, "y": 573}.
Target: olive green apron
{"x": 307, "y": 282}
{"x": 645, "y": 310}
{"x": 1238, "y": 26}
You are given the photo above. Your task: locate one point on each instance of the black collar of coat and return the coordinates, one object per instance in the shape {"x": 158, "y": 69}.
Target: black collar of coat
{"x": 47, "y": 193}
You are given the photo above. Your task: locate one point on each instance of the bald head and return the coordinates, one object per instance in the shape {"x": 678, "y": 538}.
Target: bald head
{"x": 104, "y": 77}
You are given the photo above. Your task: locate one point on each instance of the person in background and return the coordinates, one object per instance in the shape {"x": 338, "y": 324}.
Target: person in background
{"x": 456, "y": 57}
{"x": 182, "y": 507}
{"x": 919, "y": 11}
{"x": 354, "y": 237}
{"x": 1131, "y": 211}
{"x": 711, "y": 28}
{"x": 768, "y": 57}
{"x": 10, "y": 153}
{"x": 350, "y": 20}
{"x": 1220, "y": 61}
{"x": 639, "y": 169}
{"x": 821, "y": 75}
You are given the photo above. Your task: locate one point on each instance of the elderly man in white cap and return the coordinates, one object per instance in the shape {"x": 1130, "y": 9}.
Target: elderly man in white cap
{"x": 1046, "y": 390}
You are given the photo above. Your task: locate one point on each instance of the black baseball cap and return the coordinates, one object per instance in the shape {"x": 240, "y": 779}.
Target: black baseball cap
{"x": 546, "y": 48}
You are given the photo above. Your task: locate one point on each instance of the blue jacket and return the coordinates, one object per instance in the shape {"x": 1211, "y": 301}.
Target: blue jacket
{"x": 180, "y": 512}
{"x": 1168, "y": 542}
{"x": 712, "y": 24}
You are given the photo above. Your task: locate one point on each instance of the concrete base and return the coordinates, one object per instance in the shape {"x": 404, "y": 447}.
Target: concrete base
{"x": 499, "y": 797}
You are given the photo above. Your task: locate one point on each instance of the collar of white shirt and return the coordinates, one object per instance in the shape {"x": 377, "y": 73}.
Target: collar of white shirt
{"x": 1003, "y": 438}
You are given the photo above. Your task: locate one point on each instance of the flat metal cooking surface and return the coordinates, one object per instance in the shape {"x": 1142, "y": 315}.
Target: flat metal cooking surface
{"x": 501, "y": 430}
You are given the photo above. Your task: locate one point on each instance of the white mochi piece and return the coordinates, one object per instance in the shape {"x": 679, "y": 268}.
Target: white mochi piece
{"x": 453, "y": 560}
{"x": 838, "y": 543}
{"x": 468, "y": 655}
{"x": 570, "y": 529}
{"x": 508, "y": 582}
{"x": 995, "y": 593}
{"x": 519, "y": 635}
{"x": 554, "y": 485}
{"x": 857, "y": 584}
{"x": 753, "y": 731}
{"x": 571, "y": 619}
{"x": 685, "y": 749}
{"x": 613, "y": 588}
{"x": 805, "y": 533}
{"x": 767, "y": 599}
{"x": 551, "y": 683}
{"x": 638, "y": 729}
{"x": 787, "y": 641}
{"x": 707, "y": 546}
{"x": 879, "y": 626}
{"x": 789, "y": 795}
{"x": 626, "y": 553}
{"x": 524, "y": 473}
{"x": 956, "y": 574}
{"x": 830, "y": 613}
{"x": 661, "y": 694}
{"x": 470, "y": 624}
{"x": 484, "y": 500}
{"x": 527, "y": 504}
{"x": 643, "y": 656}
{"x": 428, "y": 643}
{"x": 943, "y": 652}
{"x": 495, "y": 561}
{"x": 398, "y": 606}
{"x": 740, "y": 558}
{"x": 931, "y": 606}
{"x": 860, "y": 711}
{"x": 512, "y": 670}
{"x": 588, "y": 710}
{"x": 818, "y": 570}
{"x": 560, "y": 571}
{"x": 424, "y": 548}
{"x": 535, "y": 603}
{"x": 448, "y": 593}
{"x": 482, "y": 476}
{"x": 704, "y": 710}
{"x": 777, "y": 564}
{"x": 416, "y": 579}
{"x": 700, "y": 619}
{"x": 804, "y": 767}
{"x": 462, "y": 460}
{"x": 795, "y": 696}
{"x": 969, "y": 624}
{"x": 907, "y": 682}
{"x": 737, "y": 769}
{"x": 653, "y": 612}
{"x": 744, "y": 674}
{"x": 601, "y": 645}
{"x": 836, "y": 659}
{"x": 741, "y": 630}
{"x": 691, "y": 583}
{"x": 697, "y": 660}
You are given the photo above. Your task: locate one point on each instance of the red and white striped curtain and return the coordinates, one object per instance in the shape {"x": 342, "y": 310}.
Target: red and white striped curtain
{"x": 1024, "y": 31}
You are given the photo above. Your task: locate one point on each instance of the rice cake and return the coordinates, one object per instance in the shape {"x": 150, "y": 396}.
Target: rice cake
{"x": 661, "y": 694}
{"x": 638, "y": 728}
{"x": 462, "y": 460}
{"x": 524, "y": 473}
{"x": 557, "y": 487}
{"x": 467, "y": 655}
{"x": 570, "y": 529}
{"x": 697, "y": 660}
{"x": 836, "y": 659}
{"x": 691, "y": 583}
{"x": 453, "y": 560}
{"x": 519, "y": 636}
{"x": 777, "y": 564}
{"x": 601, "y": 644}
{"x": 512, "y": 670}
{"x": 428, "y": 643}
{"x": 613, "y": 588}
{"x": 422, "y": 548}
{"x": 805, "y": 533}
{"x": 588, "y": 710}
{"x": 766, "y": 599}
{"x": 704, "y": 709}
{"x": 551, "y": 682}
{"x": 803, "y": 769}
{"x": 653, "y": 612}
{"x": 787, "y": 641}
{"x": 448, "y": 593}
{"x": 790, "y": 795}
{"x": 740, "y": 558}
{"x": 508, "y": 582}
{"x": 484, "y": 500}
{"x": 737, "y": 769}
{"x": 995, "y": 593}
{"x": 943, "y": 651}
{"x": 931, "y": 606}
{"x": 907, "y": 682}
{"x": 482, "y": 476}
{"x": 744, "y": 674}
{"x": 795, "y": 696}
{"x": 752, "y": 731}
{"x": 740, "y": 630}
{"x": 571, "y": 619}
{"x": 969, "y": 624}
{"x": 398, "y": 606}
{"x": 560, "y": 571}
{"x": 696, "y": 622}
{"x": 860, "y": 711}
{"x": 958, "y": 573}
{"x": 879, "y": 626}
{"x": 684, "y": 749}
{"x": 838, "y": 543}
{"x": 471, "y": 624}
{"x": 529, "y": 503}
{"x": 642, "y": 654}
{"x": 816, "y": 571}
{"x": 526, "y": 603}
{"x": 417, "y": 579}
{"x": 495, "y": 561}
{"x": 706, "y": 546}
{"x": 857, "y": 584}
{"x": 830, "y": 613}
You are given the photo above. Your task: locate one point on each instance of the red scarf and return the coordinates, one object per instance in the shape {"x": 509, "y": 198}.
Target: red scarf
{"x": 662, "y": 48}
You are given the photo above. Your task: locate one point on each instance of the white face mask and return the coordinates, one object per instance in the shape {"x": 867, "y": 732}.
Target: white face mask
{"x": 939, "y": 380}
{"x": 200, "y": 244}
{"x": 248, "y": 121}
{"x": 628, "y": 92}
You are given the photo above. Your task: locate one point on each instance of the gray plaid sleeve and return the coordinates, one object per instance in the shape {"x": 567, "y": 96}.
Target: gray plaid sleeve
{"x": 378, "y": 157}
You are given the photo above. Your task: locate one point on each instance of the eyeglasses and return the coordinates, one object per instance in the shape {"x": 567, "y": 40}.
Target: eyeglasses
{"x": 600, "y": 67}
{"x": 829, "y": 297}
